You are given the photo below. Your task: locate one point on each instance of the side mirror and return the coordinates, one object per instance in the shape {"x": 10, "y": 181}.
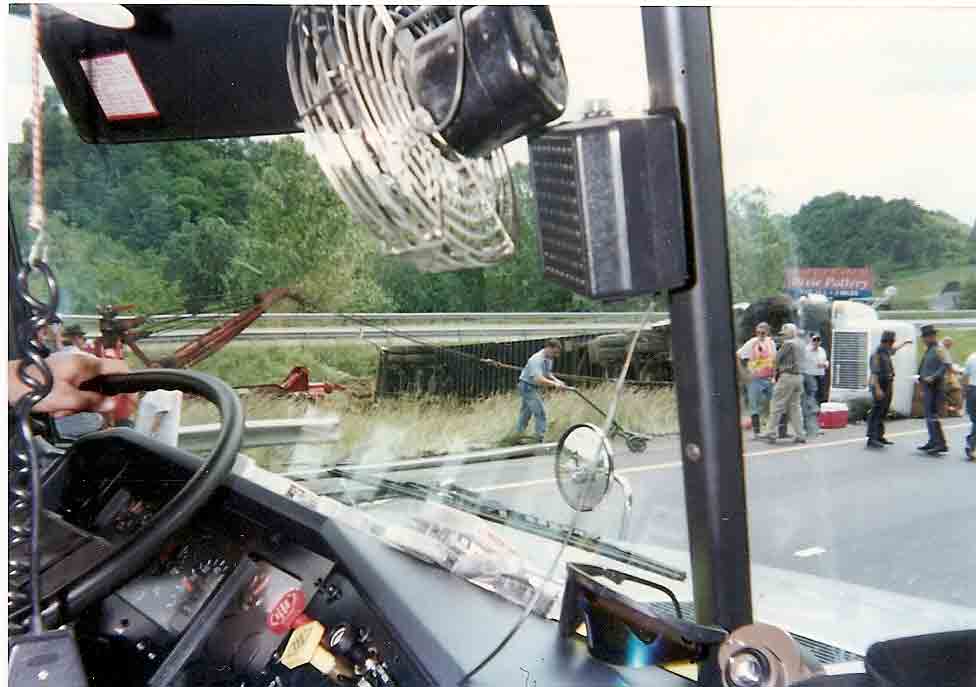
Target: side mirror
{"x": 584, "y": 466}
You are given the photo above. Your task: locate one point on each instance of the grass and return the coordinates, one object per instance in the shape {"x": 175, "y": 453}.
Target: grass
{"x": 412, "y": 426}
{"x": 915, "y": 288}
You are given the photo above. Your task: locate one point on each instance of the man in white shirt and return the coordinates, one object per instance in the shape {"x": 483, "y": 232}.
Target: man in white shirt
{"x": 814, "y": 383}
{"x": 970, "y": 371}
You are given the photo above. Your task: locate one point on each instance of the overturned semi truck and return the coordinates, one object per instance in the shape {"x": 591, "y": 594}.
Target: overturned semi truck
{"x": 850, "y": 331}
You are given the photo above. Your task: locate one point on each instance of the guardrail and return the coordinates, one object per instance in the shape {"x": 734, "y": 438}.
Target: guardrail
{"x": 915, "y": 315}
{"x": 459, "y": 333}
{"x": 263, "y": 433}
{"x": 397, "y": 317}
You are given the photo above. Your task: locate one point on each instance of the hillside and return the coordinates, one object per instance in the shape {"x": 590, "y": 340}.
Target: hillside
{"x": 917, "y": 287}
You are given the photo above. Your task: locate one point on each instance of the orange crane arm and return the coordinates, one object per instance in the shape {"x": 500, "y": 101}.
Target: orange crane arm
{"x": 206, "y": 345}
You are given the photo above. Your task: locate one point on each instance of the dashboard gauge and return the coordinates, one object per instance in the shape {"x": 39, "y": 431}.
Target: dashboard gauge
{"x": 173, "y": 591}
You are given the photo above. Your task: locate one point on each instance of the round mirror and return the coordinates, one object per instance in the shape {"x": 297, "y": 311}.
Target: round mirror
{"x": 584, "y": 465}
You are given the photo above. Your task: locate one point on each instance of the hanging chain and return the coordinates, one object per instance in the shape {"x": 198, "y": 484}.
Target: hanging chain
{"x": 23, "y": 479}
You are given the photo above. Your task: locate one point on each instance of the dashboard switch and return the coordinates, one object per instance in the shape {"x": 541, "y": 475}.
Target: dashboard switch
{"x": 302, "y": 644}
{"x": 288, "y": 613}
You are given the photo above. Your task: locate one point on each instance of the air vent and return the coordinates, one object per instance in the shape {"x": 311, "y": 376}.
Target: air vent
{"x": 849, "y": 360}
{"x": 825, "y": 653}
{"x": 562, "y": 236}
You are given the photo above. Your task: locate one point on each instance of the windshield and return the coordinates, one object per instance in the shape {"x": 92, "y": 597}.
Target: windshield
{"x": 416, "y": 403}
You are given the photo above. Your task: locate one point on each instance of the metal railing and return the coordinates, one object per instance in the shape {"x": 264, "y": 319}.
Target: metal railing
{"x": 400, "y": 317}
{"x": 488, "y": 317}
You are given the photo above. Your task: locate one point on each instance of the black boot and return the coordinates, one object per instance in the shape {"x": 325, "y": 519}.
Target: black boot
{"x": 755, "y": 426}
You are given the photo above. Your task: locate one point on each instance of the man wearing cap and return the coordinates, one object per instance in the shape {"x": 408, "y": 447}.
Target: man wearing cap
{"x": 788, "y": 394}
{"x": 76, "y": 339}
{"x": 882, "y": 384}
{"x": 759, "y": 356}
{"x": 931, "y": 375}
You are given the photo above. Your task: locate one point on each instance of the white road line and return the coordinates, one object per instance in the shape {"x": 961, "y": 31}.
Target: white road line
{"x": 675, "y": 464}
{"x": 812, "y": 551}
{"x": 514, "y": 485}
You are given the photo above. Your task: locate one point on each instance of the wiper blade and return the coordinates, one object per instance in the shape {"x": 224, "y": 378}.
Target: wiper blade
{"x": 472, "y": 502}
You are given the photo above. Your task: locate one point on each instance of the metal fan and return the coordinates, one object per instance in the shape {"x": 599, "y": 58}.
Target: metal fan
{"x": 406, "y": 109}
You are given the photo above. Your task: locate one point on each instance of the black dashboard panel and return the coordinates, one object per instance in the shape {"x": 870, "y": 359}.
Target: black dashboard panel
{"x": 429, "y": 626}
{"x": 445, "y": 624}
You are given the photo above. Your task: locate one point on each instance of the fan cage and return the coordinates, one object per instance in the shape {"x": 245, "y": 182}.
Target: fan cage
{"x": 348, "y": 67}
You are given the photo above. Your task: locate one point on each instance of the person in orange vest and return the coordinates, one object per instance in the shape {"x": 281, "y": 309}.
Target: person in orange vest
{"x": 758, "y": 354}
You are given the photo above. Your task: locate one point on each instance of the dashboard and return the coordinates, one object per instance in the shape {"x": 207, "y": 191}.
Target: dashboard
{"x": 271, "y": 587}
{"x": 263, "y": 590}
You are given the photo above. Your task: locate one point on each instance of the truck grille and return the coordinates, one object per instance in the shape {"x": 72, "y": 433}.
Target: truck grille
{"x": 849, "y": 360}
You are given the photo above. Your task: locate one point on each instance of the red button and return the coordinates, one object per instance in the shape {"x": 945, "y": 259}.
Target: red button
{"x": 288, "y": 612}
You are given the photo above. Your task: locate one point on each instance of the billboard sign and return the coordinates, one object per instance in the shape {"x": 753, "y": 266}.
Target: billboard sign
{"x": 833, "y": 282}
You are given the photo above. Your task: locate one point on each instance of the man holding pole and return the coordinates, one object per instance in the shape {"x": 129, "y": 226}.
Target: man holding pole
{"x": 537, "y": 374}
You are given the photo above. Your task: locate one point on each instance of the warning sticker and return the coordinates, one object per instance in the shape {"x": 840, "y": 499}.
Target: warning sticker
{"x": 118, "y": 88}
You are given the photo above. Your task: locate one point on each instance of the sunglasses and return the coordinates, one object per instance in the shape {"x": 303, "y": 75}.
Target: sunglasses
{"x": 625, "y": 632}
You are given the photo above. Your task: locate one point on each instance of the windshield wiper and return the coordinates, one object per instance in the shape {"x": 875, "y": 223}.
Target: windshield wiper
{"x": 472, "y": 502}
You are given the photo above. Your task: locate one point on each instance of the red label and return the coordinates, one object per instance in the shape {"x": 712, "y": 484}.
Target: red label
{"x": 286, "y": 611}
{"x": 827, "y": 278}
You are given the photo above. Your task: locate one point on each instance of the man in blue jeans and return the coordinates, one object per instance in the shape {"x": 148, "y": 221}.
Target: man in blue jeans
{"x": 536, "y": 374}
{"x": 970, "y": 371}
{"x": 931, "y": 375}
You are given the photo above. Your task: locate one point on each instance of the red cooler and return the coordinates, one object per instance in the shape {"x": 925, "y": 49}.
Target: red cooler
{"x": 833, "y": 415}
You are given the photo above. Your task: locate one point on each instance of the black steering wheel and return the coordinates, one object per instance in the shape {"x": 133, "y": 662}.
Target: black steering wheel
{"x": 129, "y": 558}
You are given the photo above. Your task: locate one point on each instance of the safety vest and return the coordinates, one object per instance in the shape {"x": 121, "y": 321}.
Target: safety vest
{"x": 761, "y": 361}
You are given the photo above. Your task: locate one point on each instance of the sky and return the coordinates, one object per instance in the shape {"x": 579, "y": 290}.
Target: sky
{"x": 871, "y": 101}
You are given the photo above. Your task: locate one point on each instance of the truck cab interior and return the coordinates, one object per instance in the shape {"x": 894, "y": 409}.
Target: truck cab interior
{"x": 158, "y": 566}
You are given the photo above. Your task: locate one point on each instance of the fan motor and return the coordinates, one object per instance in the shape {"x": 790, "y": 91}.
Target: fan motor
{"x": 512, "y": 81}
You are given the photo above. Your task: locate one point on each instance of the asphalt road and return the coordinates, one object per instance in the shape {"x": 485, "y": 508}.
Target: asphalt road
{"x": 895, "y": 520}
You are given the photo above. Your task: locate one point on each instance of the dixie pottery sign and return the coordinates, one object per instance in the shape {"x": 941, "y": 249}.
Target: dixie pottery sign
{"x": 833, "y": 282}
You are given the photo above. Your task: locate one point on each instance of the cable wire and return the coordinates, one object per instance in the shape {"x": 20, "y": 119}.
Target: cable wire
{"x": 486, "y": 361}
{"x": 608, "y": 423}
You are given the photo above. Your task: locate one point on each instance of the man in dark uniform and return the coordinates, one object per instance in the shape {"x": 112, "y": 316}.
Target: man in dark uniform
{"x": 882, "y": 383}
{"x": 931, "y": 375}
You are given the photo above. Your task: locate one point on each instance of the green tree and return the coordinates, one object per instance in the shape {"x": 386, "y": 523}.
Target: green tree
{"x": 967, "y": 295}
{"x": 94, "y": 270}
{"x": 846, "y": 231}
{"x": 299, "y": 233}
{"x": 200, "y": 256}
{"x": 759, "y": 245}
